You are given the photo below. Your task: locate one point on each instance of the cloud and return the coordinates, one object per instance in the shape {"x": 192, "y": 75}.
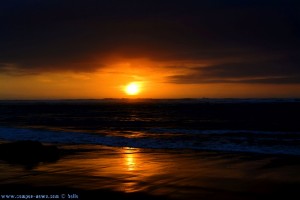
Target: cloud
{"x": 52, "y": 35}
{"x": 275, "y": 71}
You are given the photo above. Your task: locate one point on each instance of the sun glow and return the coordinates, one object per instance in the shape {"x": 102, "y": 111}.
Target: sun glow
{"x": 132, "y": 88}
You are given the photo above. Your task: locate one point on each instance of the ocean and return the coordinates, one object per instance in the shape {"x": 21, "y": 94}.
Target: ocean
{"x": 265, "y": 126}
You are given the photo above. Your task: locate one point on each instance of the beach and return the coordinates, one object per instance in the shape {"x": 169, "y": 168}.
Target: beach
{"x": 91, "y": 171}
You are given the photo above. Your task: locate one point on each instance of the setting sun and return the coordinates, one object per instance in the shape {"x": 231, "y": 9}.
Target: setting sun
{"x": 132, "y": 88}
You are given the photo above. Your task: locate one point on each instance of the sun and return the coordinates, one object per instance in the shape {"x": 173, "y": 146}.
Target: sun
{"x": 132, "y": 88}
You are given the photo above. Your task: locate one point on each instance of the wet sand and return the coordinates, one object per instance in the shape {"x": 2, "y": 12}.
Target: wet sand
{"x": 129, "y": 173}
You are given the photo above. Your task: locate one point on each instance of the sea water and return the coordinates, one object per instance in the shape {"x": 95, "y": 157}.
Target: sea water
{"x": 268, "y": 126}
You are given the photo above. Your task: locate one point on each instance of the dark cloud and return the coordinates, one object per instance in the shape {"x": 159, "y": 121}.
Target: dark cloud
{"x": 270, "y": 71}
{"x": 54, "y": 35}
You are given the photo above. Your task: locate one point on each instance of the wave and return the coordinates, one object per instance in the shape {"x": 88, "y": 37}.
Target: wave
{"x": 216, "y": 143}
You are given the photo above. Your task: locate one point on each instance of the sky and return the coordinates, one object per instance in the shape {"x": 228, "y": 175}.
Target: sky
{"x": 74, "y": 49}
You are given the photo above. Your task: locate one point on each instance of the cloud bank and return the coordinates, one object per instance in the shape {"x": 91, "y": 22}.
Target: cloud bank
{"x": 245, "y": 41}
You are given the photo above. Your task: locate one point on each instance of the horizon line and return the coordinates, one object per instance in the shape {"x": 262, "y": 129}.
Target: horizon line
{"x": 185, "y": 98}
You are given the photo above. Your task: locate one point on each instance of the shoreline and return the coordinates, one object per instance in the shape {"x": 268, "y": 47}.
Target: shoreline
{"x": 94, "y": 170}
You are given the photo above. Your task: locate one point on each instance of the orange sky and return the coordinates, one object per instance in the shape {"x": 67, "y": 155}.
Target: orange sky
{"x": 110, "y": 82}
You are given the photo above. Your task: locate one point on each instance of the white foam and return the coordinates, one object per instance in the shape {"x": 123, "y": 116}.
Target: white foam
{"x": 16, "y": 134}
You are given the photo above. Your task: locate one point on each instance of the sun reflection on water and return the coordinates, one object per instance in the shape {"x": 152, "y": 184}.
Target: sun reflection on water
{"x": 123, "y": 169}
{"x": 130, "y": 162}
